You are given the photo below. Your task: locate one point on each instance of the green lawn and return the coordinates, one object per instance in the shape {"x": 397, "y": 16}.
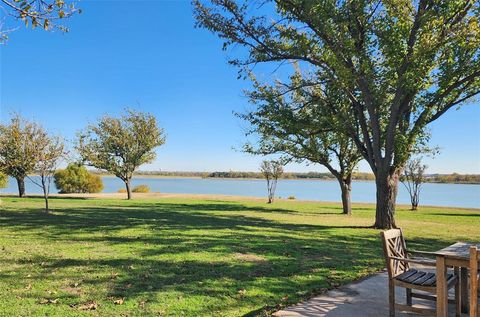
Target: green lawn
{"x": 187, "y": 257}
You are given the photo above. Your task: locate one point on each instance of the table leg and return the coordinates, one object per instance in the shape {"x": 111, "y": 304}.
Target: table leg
{"x": 464, "y": 289}
{"x": 442, "y": 291}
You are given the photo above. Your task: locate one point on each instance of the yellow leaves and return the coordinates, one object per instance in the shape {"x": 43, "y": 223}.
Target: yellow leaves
{"x": 119, "y": 301}
{"x": 242, "y": 292}
{"x": 47, "y": 301}
{"x": 88, "y": 306}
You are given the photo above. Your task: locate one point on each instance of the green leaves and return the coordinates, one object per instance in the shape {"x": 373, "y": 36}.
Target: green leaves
{"x": 39, "y": 13}
{"x": 121, "y": 145}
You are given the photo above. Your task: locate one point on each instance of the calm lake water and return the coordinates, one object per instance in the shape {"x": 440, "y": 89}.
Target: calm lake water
{"x": 453, "y": 195}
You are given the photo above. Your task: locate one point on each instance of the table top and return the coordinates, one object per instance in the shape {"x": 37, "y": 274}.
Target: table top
{"x": 459, "y": 250}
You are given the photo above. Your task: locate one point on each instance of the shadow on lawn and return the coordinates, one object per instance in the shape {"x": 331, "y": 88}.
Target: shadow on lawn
{"x": 289, "y": 257}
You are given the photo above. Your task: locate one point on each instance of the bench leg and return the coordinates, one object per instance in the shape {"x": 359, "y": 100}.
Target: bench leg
{"x": 409, "y": 296}
{"x": 391, "y": 298}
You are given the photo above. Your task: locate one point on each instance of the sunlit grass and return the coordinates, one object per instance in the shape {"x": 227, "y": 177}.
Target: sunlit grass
{"x": 187, "y": 257}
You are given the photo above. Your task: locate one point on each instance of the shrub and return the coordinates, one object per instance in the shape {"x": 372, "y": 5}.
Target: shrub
{"x": 3, "y": 180}
{"x": 76, "y": 179}
{"x": 291, "y": 197}
{"x": 122, "y": 191}
{"x": 141, "y": 189}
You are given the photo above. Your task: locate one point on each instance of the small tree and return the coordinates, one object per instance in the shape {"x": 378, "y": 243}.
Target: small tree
{"x": 413, "y": 177}
{"x": 19, "y": 149}
{"x": 76, "y": 179}
{"x": 271, "y": 170}
{"x": 121, "y": 145}
{"x": 292, "y": 122}
{"x": 50, "y": 152}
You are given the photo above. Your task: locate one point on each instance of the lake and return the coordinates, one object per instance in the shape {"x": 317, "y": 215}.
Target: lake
{"x": 452, "y": 195}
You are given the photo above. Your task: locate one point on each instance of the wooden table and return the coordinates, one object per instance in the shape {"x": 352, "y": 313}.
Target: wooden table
{"x": 456, "y": 255}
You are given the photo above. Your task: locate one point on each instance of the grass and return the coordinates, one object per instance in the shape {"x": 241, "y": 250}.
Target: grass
{"x": 188, "y": 257}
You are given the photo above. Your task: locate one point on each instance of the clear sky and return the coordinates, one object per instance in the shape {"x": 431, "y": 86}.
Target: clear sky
{"x": 147, "y": 55}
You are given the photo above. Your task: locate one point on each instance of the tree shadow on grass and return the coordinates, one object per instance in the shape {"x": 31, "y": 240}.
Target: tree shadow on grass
{"x": 294, "y": 259}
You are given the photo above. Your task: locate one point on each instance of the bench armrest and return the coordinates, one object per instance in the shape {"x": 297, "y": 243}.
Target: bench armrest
{"x": 416, "y": 261}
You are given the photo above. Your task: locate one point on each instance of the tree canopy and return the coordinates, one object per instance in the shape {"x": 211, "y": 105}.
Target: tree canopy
{"x": 120, "y": 145}
{"x": 401, "y": 65}
{"x": 291, "y": 122}
{"x": 36, "y": 13}
{"x": 19, "y": 148}
{"x": 76, "y": 179}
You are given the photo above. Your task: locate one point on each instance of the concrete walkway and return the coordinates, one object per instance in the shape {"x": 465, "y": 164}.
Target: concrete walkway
{"x": 367, "y": 297}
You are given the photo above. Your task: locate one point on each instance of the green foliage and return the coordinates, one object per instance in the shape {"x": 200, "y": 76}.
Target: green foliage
{"x": 121, "y": 145}
{"x": 141, "y": 189}
{"x": 398, "y": 65}
{"x": 76, "y": 179}
{"x": 38, "y": 13}
{"x": 19, "y": 146}
{"x": 413, "y": 177}
{"x": 271, "y": 170}
{"x": 3, "y": 180}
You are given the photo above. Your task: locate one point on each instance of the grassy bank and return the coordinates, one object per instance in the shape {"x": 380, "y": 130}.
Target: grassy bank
{"x": 192, "y": 257}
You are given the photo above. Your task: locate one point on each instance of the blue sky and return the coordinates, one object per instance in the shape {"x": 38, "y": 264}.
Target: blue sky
{"x": 147, "y": 55}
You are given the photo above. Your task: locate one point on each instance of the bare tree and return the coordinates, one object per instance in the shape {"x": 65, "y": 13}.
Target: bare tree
{"x": 413, "y": 177}
{"x": 271, "y": 170}
{"x": 51, "y": 151}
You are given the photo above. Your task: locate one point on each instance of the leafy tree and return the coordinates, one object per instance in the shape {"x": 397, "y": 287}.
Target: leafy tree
{"x": 3, "y": 180}
{"x": 37, "y": 13}
{"x": 51, "y": 150}
{"x": 271, "y": 170}
{"x": 76, "y": 179}
{"x": 413, "y": 177}
{"x": 19, "y": 150}
{"x": 292, "y": 122}
{"x": 401, "y": 64}
{"x": 121, "y": 145}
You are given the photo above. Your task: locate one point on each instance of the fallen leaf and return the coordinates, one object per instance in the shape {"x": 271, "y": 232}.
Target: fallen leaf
{"x": 88, "y": 306}
{"x": 45, "y": 301}
{"x": 118, "y": 301}
{"x": 28, "y": 287}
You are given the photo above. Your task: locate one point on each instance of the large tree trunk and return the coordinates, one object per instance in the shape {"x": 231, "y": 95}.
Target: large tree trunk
{"x": 346, "y": 187}
{"x": 387, "y": 188}
{"x": 21, "y": 186}
{"x": 129, "y": 189}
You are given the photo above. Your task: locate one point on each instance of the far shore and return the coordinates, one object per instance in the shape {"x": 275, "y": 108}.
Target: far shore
{"x": 256, "y": 178}
{"x": 153, "y": 195}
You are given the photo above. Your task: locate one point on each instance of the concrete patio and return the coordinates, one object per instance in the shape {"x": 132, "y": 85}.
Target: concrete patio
{"x": 367, "y": 297}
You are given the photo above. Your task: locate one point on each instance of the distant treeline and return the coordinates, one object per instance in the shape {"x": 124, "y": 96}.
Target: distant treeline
{"x": 432, "y": 178}
{"x": 454, "y": 178}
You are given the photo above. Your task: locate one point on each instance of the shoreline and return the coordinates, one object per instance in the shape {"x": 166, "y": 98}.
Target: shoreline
{"x": 256, "y": 178}
{"x": 153, "y": 195}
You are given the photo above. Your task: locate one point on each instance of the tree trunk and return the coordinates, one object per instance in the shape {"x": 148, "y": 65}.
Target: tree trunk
{"x": 129, "y": 190}
{"x": 387, "y": 188}
{"x": 45, "y": 195}
{"x": 21, "y": 186}
{"x": 346, "y": 186}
